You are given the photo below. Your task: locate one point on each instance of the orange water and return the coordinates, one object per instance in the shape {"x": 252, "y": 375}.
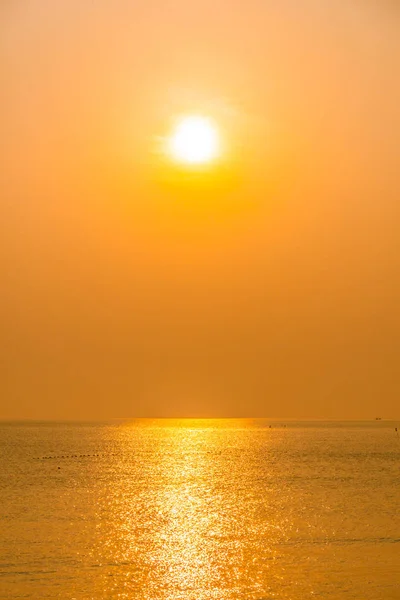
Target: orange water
{"x": 196, "y": 510}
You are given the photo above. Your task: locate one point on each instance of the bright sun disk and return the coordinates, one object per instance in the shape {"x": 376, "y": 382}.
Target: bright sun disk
{"x": 195, "y": 140}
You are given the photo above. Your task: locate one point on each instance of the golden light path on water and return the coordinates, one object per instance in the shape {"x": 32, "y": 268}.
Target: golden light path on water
{"x": 198, "y": 551}
{"x": 193, "y": 526}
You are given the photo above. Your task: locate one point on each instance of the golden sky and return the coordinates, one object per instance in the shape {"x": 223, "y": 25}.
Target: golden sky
{"x": 265, "y": 285}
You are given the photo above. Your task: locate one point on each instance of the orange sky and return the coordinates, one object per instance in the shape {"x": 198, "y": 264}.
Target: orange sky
{"x": 268, "y": 286}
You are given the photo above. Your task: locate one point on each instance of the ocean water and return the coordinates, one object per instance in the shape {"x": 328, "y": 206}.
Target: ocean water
{"x": 200, "y": 509}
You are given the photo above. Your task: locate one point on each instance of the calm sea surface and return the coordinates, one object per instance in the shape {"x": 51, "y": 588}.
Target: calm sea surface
{"x": 202, "y": 509}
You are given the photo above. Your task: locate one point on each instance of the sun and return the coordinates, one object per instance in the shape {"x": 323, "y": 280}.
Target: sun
{"x": 194, "y": 141}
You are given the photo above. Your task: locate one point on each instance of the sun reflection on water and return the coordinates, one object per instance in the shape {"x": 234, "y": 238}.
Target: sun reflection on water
{"x": 191, "y": 517}
{"x": 184, "y": 555}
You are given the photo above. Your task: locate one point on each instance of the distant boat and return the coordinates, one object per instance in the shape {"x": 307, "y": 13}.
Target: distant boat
{"x": 378, "y": 418}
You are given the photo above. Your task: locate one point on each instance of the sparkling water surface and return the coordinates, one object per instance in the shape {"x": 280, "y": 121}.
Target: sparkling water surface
{"x": 200, "y": 509}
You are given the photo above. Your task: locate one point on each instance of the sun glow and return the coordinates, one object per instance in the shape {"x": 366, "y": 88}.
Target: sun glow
{"x": 194, "y": 141}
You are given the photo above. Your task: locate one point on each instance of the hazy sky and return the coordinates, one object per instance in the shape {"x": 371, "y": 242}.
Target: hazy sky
{"x": 270, "y": 287}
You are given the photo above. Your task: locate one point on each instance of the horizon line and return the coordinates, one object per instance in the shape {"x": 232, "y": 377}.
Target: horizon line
{"x": 194, "y": 418}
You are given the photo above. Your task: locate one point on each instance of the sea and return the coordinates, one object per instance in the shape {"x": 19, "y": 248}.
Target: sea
{"x": 219, "y": 509}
